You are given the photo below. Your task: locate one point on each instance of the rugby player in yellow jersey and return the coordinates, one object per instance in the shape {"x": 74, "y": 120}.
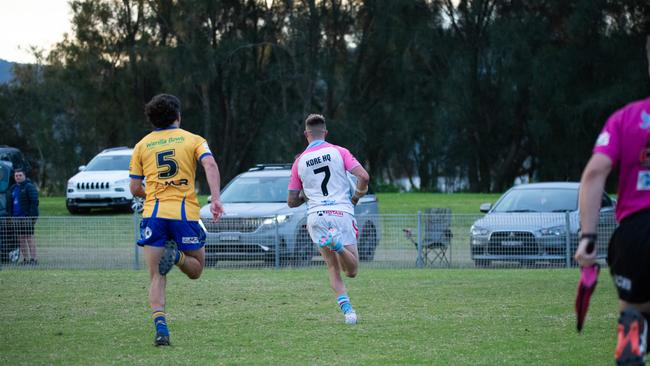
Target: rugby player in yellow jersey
{"x": 170, "y": 231}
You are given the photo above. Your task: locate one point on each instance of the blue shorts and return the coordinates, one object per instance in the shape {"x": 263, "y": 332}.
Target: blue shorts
{"x": 188, "y": 235}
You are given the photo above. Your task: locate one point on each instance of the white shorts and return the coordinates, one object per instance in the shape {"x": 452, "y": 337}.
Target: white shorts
{"x": 320, "y": 221}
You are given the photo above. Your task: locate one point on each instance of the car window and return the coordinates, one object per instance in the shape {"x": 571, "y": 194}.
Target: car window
{"x": 110, "y": 162}
{"x": 538, "y": 200}
{"x": 256, "y": 189}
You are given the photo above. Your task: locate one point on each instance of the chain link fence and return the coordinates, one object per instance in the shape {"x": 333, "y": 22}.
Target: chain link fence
{"x": 432, "y": 239}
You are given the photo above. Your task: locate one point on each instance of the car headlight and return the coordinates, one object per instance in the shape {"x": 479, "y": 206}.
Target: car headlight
{"x": 478, "y": 231}
{"x": 123, "y": 182}
{"x": 553, "y": 231}
{"x": 70, "y": 184}
{"x": 281, "y": 220}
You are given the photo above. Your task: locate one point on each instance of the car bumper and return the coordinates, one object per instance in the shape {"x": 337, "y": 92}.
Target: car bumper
{"x": 99, "y": 202}
{"x": 234, "y": 246}
{"x": 533, "y": 248}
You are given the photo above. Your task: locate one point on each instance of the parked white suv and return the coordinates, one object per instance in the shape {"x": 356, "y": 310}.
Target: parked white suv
{"x": 104, "y": 182}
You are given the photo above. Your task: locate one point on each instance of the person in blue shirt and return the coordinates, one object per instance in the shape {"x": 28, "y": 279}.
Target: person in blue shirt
{"x": 22, "y": 205}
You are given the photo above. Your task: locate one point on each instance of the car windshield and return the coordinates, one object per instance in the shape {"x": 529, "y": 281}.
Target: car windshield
{"x": 256, "y": 189}
{"x": 110, "y": 162}
{"x": 538, "y": 200}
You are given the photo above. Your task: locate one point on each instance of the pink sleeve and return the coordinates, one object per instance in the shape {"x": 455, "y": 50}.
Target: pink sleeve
{"x": 608, "y": 140}
{"x": 295, "y": 184}
{"x": 349, "y": 161}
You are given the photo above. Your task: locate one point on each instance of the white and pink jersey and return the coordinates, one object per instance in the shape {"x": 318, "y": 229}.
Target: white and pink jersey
{"x": 625, "y": 139}
{"x": 321, "y": 172}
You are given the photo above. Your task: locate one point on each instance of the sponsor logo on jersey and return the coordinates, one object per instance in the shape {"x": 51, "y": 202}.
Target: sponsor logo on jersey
{"x": 645, "y": 121}
{"x": 178, "y": 182}
{"x": 603, "y": 139}
{"x": 643, "y": 181}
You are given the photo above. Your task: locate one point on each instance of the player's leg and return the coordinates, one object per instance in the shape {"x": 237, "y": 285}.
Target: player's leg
{"x": 349, "y": 259}
{"x": 189, "y": 253}
{"x": 318, "y": 226}
{"x": 342, "y": 239}
{"x": 193, "y": 263}
{"x": 333, "y": 271}
{"x": 627, "y": 257}
{"x": 157, "y": 286}
{"x": 153, "y": 234}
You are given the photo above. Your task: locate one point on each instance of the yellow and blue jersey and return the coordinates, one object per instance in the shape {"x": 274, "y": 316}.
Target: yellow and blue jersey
{"x": 166, "y": 159}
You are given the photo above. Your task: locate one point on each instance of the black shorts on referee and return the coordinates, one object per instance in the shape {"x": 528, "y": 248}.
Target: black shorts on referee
{"x": 629, "y": 258}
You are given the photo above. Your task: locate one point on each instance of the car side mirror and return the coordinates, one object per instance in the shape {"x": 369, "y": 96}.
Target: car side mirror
{"x": 82, "y": 168}
{"x": 485, "y": 207}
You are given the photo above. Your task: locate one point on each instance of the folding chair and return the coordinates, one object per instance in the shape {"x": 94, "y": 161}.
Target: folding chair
{"x": 436, "y": 236}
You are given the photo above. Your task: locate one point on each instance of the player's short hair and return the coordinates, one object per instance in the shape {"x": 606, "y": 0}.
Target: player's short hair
{"x": 19, "y": 170}
{"x": 315, "y": 120}
{"x": 162, "y": 110}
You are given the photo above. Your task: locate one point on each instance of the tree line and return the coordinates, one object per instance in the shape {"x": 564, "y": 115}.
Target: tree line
{"x": 478, "y": 91}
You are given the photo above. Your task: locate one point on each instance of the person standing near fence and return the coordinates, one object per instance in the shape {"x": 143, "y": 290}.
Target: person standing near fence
{"x": 166, "y": 159}
{"x": 319, "y": 177}
{"x": 22, "y": 204}
{"x": 624, "y": 143}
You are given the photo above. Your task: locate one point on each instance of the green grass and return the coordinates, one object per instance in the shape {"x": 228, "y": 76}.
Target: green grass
{"x": 389, "y": 203}
{"x": 411, "y": 203}
{"x": 266, "y": 317}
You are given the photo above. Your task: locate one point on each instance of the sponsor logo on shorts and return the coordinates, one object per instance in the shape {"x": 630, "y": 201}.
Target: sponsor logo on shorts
{"x": 147, "y": 232}
{"x": 190, "y": 240}
{"x": 603, "y": 139}
{"x": 331, "y": 213}
{"x": 623, "y": 283}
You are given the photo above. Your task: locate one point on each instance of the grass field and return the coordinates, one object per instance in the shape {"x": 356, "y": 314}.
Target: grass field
{"x": 389, "y": 203}
{"x": 266, "y": 317}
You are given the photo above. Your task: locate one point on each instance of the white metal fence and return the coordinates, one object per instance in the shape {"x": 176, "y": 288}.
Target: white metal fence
{"x": 434, "y": 239}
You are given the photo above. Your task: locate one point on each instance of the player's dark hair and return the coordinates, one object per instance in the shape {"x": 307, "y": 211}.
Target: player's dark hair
{"x": 314, "y": 120}
{"x": 19, "y": 170}
{"x": 162, "y": 110}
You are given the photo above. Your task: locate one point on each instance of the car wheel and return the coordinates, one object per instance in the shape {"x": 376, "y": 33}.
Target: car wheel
{"x": 303, "y": 248}
{"x": 137, "y": 205}
{"x": 367, "y": 242}
{"x": 482, "y": 263}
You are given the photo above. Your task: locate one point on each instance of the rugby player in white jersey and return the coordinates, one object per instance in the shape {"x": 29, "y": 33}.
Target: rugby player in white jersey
{"x": 319, "y": 177}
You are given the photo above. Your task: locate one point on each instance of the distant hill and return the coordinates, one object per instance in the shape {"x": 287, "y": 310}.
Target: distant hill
{"x": 5, "y": 71}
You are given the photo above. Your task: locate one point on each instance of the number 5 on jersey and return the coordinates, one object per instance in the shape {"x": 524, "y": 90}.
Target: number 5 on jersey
{"x": 167, "y": 166}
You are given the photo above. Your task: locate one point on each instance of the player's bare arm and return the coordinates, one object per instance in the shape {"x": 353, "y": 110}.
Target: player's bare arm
{"x": 295, "y": 198}
{"x": 592, "y": 185}
{"x": 362, "y": 183}
{"x": 136, "y": 187}
{"x": 214, "y": 181}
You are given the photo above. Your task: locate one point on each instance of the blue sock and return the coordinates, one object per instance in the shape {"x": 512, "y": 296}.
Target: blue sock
{"x": 160, "y": 322}
{"x": 344, "y": 303}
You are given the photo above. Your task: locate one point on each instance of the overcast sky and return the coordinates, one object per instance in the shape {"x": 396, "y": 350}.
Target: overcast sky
{"x": 25, "y": 23}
